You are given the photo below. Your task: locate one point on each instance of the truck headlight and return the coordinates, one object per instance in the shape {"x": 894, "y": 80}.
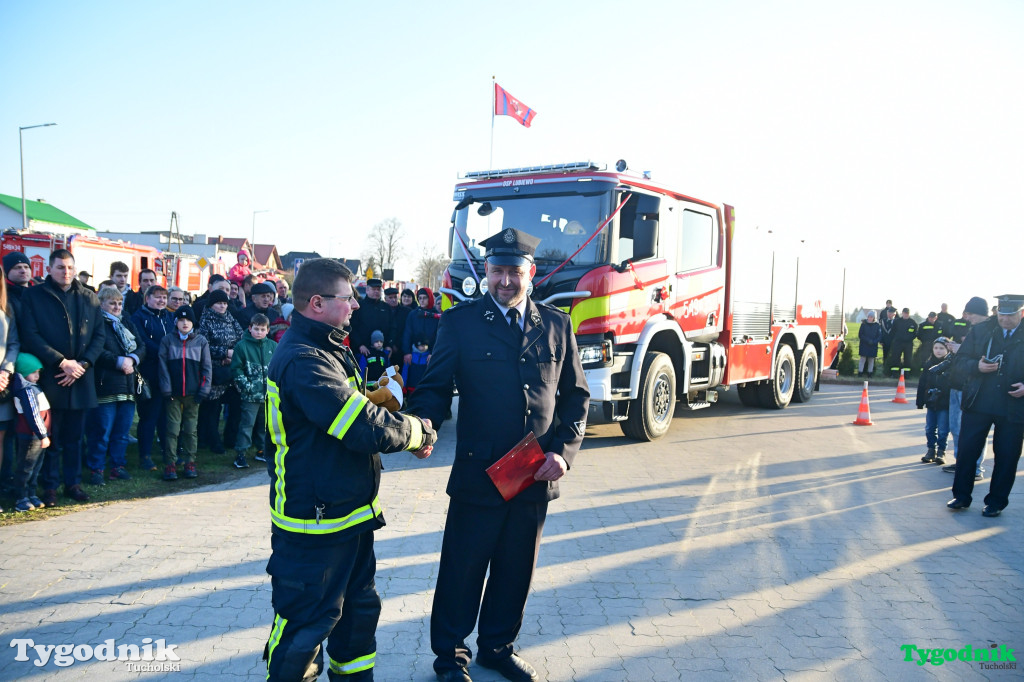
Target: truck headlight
{"x": 598, "y": 353}
{"x": 469, "y": 286}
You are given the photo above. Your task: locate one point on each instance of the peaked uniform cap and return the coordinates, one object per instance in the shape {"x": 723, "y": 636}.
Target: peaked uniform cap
{"x": 510, "y": 247}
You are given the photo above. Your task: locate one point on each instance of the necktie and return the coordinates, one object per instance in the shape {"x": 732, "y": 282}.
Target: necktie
{"x": 513, "y": 321}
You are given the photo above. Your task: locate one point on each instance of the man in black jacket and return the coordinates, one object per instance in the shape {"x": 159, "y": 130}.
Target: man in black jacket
{"x": 518, "y": 371}
{"x": 324, "y": 481}
{"x": 991, "y": 361}
{"x": 61, "y": 325}
{"x": 372, "y": 315}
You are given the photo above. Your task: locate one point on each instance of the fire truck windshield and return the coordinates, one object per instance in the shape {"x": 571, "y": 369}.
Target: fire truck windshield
{"x": 562, "y": 223}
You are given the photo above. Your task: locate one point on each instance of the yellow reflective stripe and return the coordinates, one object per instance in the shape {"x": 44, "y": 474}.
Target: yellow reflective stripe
{"x": 351, "y": 381}
{"x": 349, "y": 411}
{"x": 416, "y": 439}
{"x": 590, "y": 308}
{"x": 275, "y": 639}
{"x": 275, "y": 425}
{"x": 324, "y": 526}
{"x": 354, "y": 666}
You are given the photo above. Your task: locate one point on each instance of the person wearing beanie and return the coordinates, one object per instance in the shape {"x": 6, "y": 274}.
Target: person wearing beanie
{"x": 975, "y": 312}
{"x": 32, "y": 430}
{"x": 186, "y": 373}
{"x": 18, "y": 276}
{"x": 223, "y": 332}
{"x": 376, "y": 363}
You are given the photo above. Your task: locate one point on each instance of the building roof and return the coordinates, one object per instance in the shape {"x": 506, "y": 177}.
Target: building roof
{"x": 43, "y": 212}
{"x": 233, "y": 242}
{"x": 266, "y": 255}
{"x": 288, "y": 259}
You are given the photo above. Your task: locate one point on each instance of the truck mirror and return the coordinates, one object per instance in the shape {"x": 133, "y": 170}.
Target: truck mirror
{"x": 645, "y": 239}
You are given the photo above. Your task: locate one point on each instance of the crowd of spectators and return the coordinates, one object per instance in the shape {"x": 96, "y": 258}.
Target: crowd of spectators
{"x": 78, "y": 365}
{"x": 894, "y": 335}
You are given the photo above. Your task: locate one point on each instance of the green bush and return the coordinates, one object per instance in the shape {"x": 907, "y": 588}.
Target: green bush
{"x": 847, "y": 364}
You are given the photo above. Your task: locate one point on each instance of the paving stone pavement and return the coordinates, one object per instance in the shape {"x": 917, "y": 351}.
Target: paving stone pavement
{"x": 745, "y": 545}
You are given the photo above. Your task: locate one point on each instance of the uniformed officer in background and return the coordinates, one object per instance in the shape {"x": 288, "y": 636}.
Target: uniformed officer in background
{"x": 372, "y": 314}
{"x": 904, "y": 331}
{"x": 992, "y": 361}
{"x": 324, "y": 478}
{"x": 518, "y": 370}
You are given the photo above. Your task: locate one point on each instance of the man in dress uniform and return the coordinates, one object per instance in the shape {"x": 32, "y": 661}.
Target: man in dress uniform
{"x": 518, "y": 370}
{"x": 991, "y": 360}
{"x": 324, "y": 478}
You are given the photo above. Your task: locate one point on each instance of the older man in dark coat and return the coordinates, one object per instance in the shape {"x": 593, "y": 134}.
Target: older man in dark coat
{"x": 518, "y": 370}
{"x": 61, "y": 325}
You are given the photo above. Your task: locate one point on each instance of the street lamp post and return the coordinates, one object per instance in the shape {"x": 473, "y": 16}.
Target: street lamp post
{"x": 21, "y": 153}
{"x": 252, "y": 244}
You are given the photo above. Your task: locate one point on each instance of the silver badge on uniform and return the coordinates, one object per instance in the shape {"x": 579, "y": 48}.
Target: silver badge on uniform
{"x": 581, "y": 428}
{"x": 489, "y": 315}
{"x": 509, "y": 236}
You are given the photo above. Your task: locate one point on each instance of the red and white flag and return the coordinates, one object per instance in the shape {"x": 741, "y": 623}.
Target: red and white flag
{"x": 507, "y": 105}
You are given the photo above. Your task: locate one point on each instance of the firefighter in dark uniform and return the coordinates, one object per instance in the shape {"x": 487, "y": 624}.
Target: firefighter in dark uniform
{"x": 518, "y": 370}
{"x": 373, "y": 314}
{"x": 945, "y": 320}
{"x": 904, "y": 330}
{"x": 324, "y": 479}
{"x": 991, "y": 360}
{"x": 927, "y": 332}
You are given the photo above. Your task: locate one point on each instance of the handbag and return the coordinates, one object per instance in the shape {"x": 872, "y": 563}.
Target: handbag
{"x": 142, "y": 389}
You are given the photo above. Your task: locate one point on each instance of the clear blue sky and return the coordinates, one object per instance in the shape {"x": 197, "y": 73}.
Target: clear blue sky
{"x": 891, "y": 130}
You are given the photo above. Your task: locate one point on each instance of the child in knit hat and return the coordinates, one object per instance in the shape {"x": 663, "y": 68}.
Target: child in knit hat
{"x": 374, "y": 364}
{"x": 32, "y": 428}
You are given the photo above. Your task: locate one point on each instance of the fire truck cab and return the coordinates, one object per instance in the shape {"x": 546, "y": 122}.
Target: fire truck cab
{"x": 668, "y": 300}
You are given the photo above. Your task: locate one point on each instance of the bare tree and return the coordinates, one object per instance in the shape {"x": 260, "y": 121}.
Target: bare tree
{"x": 431, "y": 266}
{"x": 384, "y": 242}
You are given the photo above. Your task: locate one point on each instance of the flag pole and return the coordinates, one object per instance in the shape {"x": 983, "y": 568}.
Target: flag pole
{"x": 490, "y": 163}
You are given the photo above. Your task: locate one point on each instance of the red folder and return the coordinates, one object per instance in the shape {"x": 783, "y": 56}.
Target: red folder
{"x": 513, "y": 473}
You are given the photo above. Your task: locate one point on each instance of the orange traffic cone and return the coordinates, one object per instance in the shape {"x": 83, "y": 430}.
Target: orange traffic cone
{"x": 864, "y": 414}
{"x": 901, "y": 391}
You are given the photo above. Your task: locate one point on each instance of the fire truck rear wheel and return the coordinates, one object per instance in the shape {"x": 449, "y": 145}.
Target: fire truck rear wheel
{"x": 778, "y": 391}
{"x": 650, "y": 414}
{"x": 807, "y": 375}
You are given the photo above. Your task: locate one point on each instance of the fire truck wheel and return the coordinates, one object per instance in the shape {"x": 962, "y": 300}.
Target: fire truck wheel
{"x": 650, "y": 414}
{"x": 778, "y": 391}
{"x": 807, "y": 375}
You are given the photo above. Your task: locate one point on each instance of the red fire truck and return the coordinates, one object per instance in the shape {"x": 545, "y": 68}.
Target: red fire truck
{"x": 669, "y": 300}
{"x": 92, "y": 254}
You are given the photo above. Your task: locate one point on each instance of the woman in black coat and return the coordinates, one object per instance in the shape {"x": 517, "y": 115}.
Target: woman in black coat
{"x": 870, "y": 335}
{"x": 109, "y": 422}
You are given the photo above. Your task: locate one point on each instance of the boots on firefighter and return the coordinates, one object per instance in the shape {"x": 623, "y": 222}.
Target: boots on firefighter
{"x": 939, "y": 457}
{"x": 929, "y": 456}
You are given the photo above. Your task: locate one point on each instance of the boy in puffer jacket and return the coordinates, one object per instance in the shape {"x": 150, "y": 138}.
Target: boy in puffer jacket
{"x": 249, "y": 372}
{"x": 186, "y": 371}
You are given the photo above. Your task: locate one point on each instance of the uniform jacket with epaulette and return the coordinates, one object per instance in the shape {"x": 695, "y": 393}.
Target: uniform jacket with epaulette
{"x": 325, "y": 469}
{"x": 508, "y": 386}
